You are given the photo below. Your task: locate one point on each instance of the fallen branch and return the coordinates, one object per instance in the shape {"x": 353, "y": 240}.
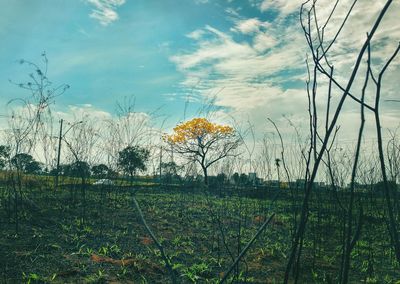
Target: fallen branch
{"x": 158, "y": 244}
{"x": 260, "y": 230}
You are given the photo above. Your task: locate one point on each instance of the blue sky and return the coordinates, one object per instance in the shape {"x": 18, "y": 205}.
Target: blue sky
{"x": 103, "y": 62}
{"x": 105, "y": 59}
{"x": 247, "y": 54}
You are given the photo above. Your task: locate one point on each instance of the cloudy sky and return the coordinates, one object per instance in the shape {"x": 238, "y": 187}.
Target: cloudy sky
{"x": 247, "y": 54}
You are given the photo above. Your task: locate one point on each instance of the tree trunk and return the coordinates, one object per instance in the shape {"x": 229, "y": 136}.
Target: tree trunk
{"x": 205, "y": 174}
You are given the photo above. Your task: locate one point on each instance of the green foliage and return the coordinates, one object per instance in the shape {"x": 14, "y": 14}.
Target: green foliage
{"x": 169, "y": 171}
{"x": 133, "y": 159}
{"x": 31, "y": 278}
{"x": 25, "y": 163}
{"x": 196, "y": 271}
{"x": 100, "y": 171}
{"x": 170, "y": 168}
{"x": 77, "y": 169}
{"x": 98, "y": 277}
{"x": 4, "y": 155}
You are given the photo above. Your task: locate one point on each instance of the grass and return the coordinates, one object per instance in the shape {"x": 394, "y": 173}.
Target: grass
{"x": 100, "y": 239}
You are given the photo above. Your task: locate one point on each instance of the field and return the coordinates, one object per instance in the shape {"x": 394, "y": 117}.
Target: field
{"x": 206, "y": 142}
{"x": 94, "y": 235}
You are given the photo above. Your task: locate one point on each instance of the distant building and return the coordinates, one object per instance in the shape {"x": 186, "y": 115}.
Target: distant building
{"x": 232, "y": 180}
{"x": 253, "y": 178}
{"x": 272, "y": 183}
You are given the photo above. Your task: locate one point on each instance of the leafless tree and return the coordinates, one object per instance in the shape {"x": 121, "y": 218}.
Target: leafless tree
{"x": 29, "y": 117}
{"x": 320, "y": 48}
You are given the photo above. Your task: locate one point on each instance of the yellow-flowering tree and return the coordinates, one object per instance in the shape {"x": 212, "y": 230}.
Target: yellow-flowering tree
{"x": 203, "y": 141}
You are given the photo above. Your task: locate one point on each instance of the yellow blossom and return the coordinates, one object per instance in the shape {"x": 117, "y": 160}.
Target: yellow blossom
{"x": 197, "y": 128}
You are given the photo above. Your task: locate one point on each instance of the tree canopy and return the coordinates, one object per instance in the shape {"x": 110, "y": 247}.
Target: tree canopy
{"x": 78, "y": 169}
{"x": 100, "y": 171}
{"x": 4, "y": 155}
{"x": 133, "y": 159}
{"x": 25, "y": 162}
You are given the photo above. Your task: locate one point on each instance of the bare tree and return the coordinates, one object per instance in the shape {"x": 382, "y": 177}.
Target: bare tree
{"x": 29, "y": 117}
{"x": 320, "y": 49}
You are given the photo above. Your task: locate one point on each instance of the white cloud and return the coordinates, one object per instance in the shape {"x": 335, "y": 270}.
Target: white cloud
{"x": 79, "y": 112}
{"x": 198, "y": 2}
{"x": 284, "y": 7}
{"x": 170, "y": 96}
{"x": 263, "y": 41}
{"x": 236, "y": 62}
{"x": 196, "y": 34}
{"x": 219, "y": 48}
{"x": 251, "y": 25}
{"x": 105, "y": 10}
{"x": 254, "y": 76}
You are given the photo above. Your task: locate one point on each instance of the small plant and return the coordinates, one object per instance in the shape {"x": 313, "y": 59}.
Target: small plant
{"x": 31, "y": 277}
{"x": 103, "y": 250}
{"x": 98, "y": 277}
{"x": 196, "y": 271}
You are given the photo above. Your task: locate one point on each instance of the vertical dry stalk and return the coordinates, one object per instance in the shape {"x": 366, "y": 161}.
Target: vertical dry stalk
{"x": 319, "y": 54}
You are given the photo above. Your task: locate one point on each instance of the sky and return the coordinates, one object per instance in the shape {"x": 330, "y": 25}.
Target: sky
{"x": 175, "y": 56}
